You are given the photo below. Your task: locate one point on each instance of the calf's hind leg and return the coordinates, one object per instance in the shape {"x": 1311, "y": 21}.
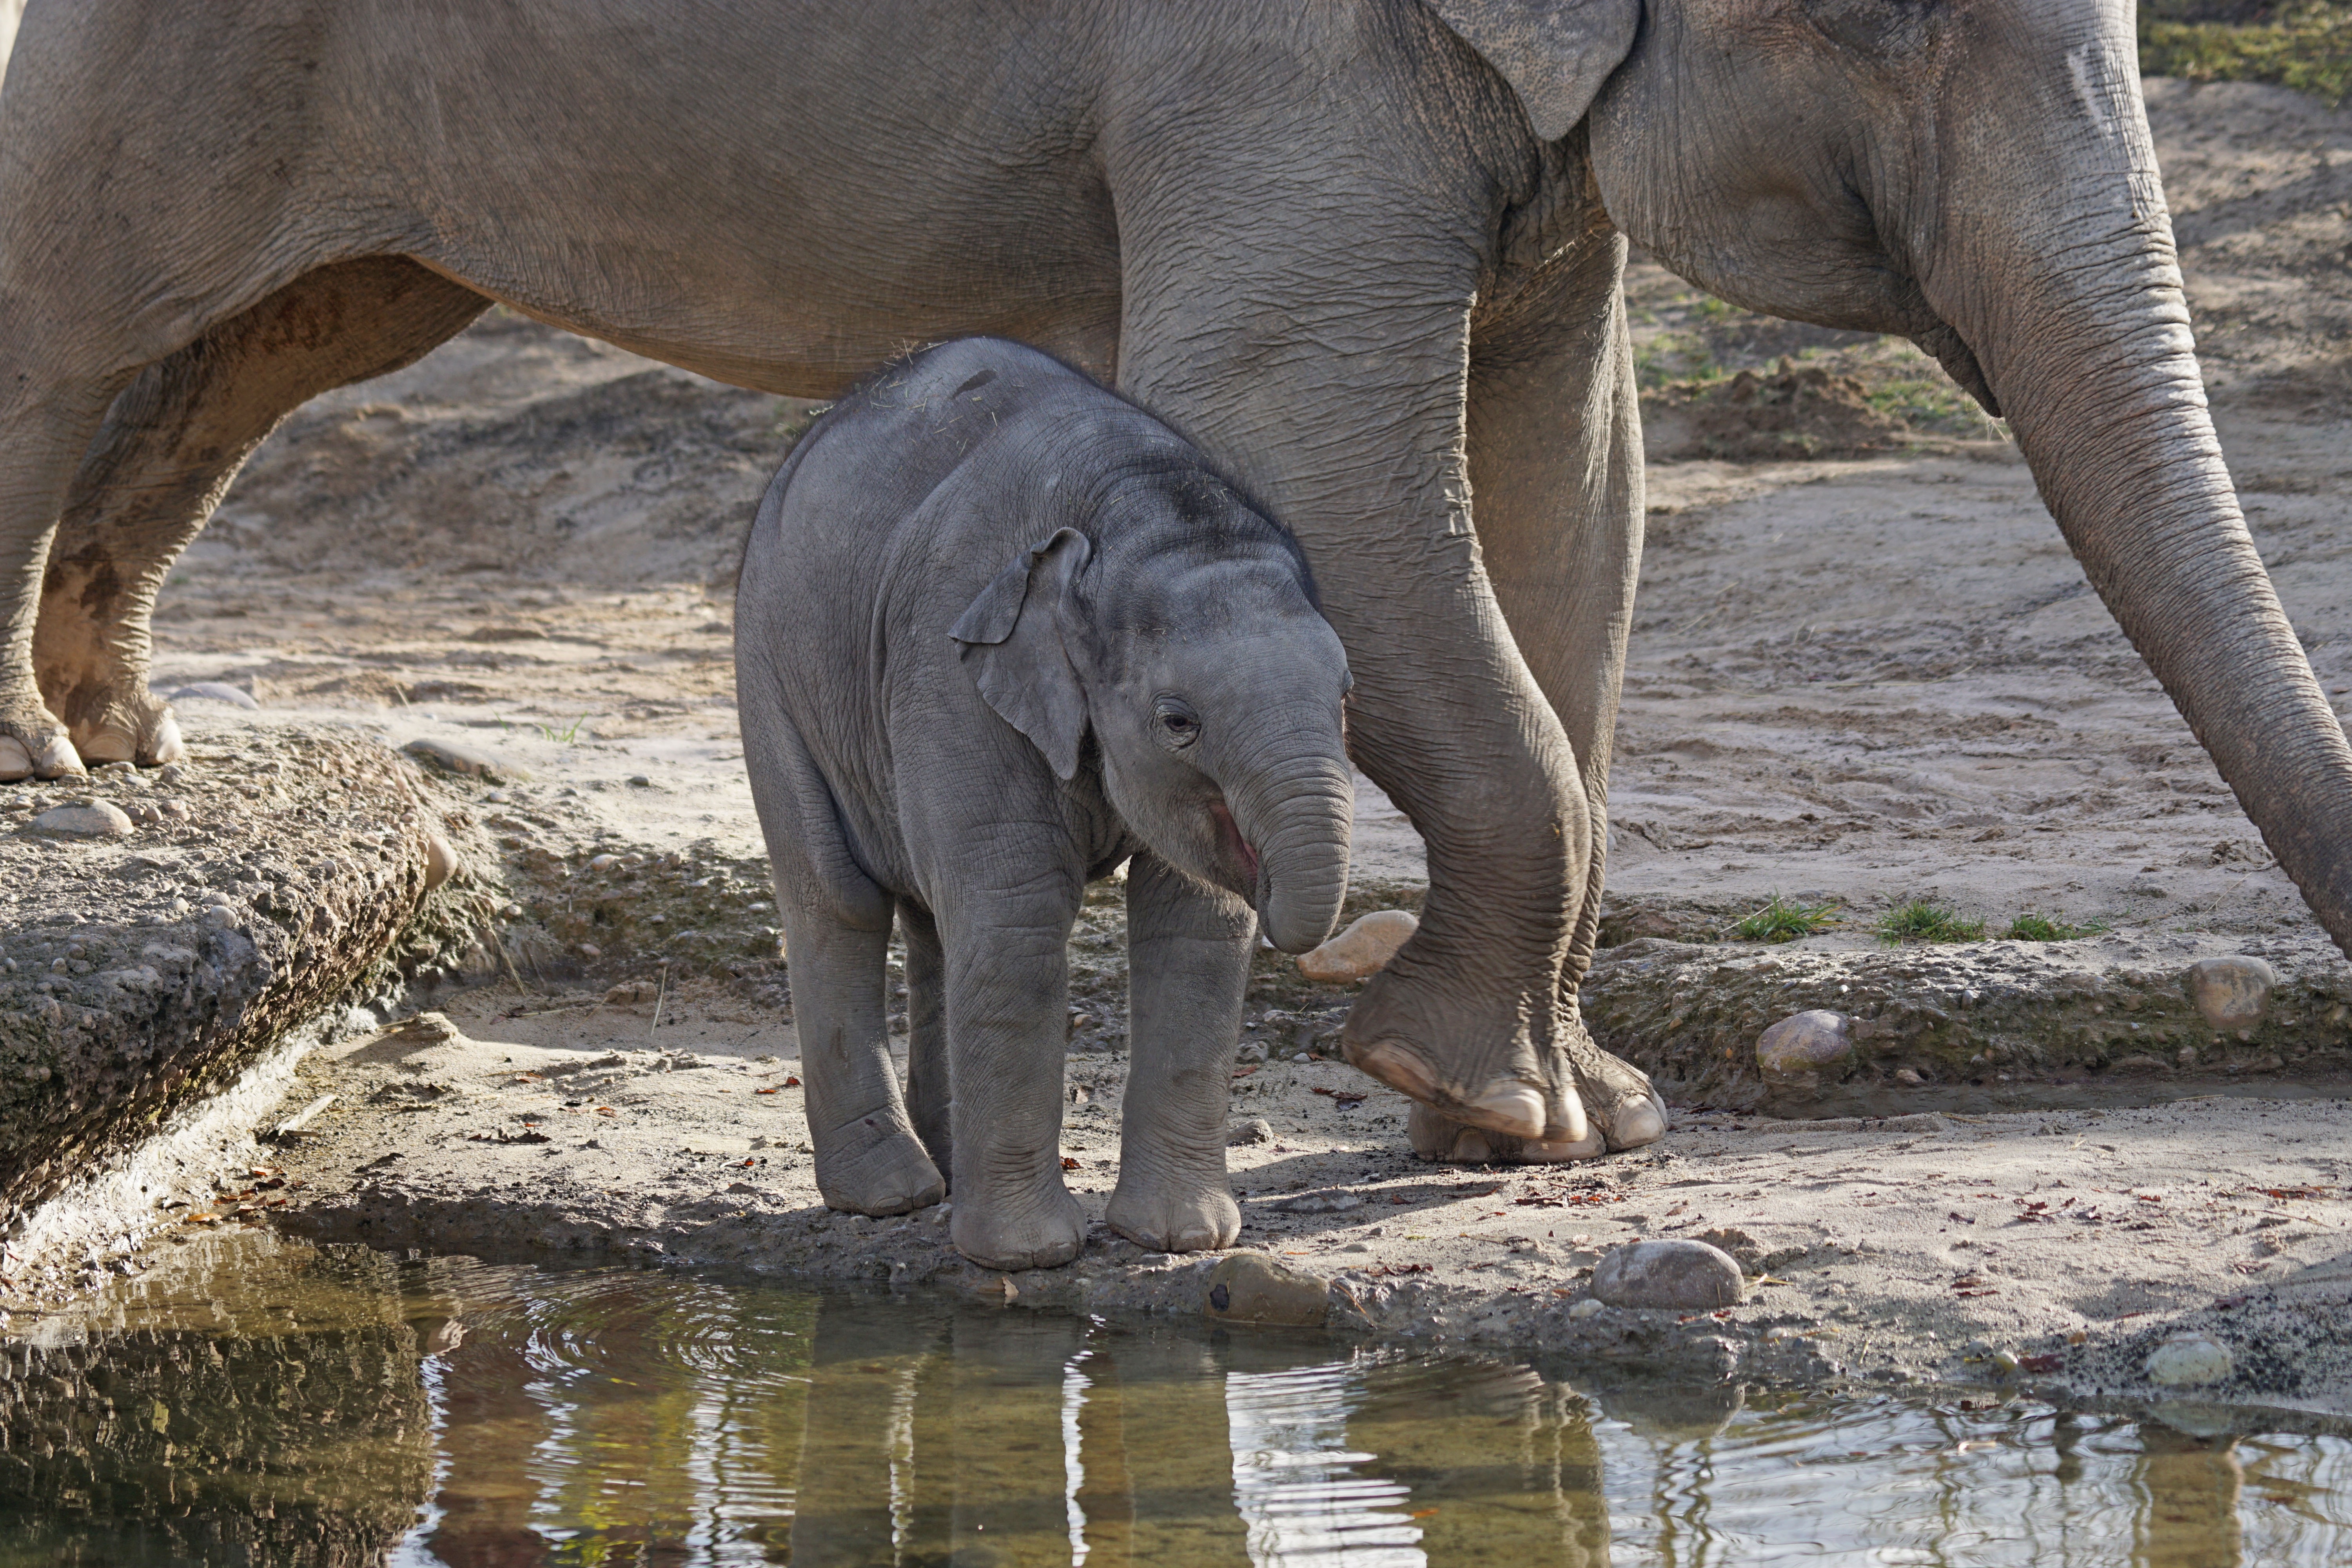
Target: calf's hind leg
{"x": 931, "y": 1090}
{"x": 837, "y": 952}
{"x": 169, "y": 445}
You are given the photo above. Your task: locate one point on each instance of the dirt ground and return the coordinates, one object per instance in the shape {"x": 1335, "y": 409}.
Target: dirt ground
{"x": 1865, "y": 669}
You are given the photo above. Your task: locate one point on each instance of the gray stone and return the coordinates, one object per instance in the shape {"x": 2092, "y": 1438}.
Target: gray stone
{"x": 215, "y": 691}
{"x": 2190, "y": 1360}
{"x": 1688, "y": 1276}
{"x": 1795, "y": 1053}
{"x": 1255, "y": 1129}
{"x": 2232, "y": 992}
{"x": 84, "y": 819}
{"x": 464, "y": 761}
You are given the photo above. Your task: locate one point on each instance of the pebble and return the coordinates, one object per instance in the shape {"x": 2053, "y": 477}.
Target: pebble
{"x": 1588, "y": 1307}
{"x": 84, "y": 819}
{"x": 2190, "y": 1360}
{"x": 1687, "y": 1275}
{"x": 1792, "y": 1052}
{"x": 215, "y": 691}
{"x": 1256, "y": 1130}
{"x": 220, "y": 917}
{"x": 440, "y": 861}
{"x": 1361, "y": 951}
{"x": 2232, "y": 992}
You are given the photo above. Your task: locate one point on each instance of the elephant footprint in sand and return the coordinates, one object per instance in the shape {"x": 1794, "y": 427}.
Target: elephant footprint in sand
{"x": 936, "y": 735}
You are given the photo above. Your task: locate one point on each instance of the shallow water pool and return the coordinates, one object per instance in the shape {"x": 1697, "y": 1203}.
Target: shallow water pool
{"x": 253, "y": 1401}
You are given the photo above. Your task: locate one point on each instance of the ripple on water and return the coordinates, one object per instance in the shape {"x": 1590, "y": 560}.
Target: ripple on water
{"x": 261, "y": 1402}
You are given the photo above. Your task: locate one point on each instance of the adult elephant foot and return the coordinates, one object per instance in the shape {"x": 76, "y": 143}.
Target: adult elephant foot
{"x": 121, "y": 722}
{"x": 34, "y": 745}
{"x": 1042, "y": 1230}
{"x": 1635, "y": 1116}
{"x": 1170, "y": 1217}
{"x": 874, "y": 1166}
{"x": 1480, "y": 1066}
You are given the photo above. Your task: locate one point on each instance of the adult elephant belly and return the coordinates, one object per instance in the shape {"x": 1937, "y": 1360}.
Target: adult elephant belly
{"x": 1275, "y": 227}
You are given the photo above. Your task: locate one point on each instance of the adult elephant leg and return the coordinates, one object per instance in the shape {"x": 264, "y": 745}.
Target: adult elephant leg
{"x": 1331, "y": 380}
{"x": 1188, "y": 962}
{"x": 169, "y": 446}
{"x": 1555, "y": 445}
{"x": 48, "y": 411}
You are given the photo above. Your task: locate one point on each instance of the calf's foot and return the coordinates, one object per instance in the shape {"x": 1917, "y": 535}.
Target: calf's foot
{"x": 874, "y": 1164}
{"x": 1043, "y": 1228}
{"x": 1170, "y": 1215}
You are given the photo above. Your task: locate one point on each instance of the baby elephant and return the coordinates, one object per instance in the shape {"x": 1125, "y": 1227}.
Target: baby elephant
{"x": 997, "y": 632}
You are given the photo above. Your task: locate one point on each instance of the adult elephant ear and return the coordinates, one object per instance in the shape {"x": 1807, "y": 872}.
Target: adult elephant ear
{"x": 1554, "y": 53}
{"x": 1012, "y": 637}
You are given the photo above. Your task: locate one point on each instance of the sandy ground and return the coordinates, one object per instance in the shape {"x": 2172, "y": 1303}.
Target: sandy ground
{"x": 1862, "y": 680}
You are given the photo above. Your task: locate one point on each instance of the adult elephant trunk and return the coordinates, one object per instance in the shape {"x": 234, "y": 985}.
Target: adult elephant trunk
{"x": 1295, "y": 814}
{"x": 2074, "y": 308}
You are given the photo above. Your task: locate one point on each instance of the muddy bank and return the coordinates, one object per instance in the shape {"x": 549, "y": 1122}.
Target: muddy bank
{"x": 2001, "y": 1252}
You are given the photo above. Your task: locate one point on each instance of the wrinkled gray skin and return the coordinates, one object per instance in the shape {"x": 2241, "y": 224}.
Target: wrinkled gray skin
{"x": 1366, "y": 253}
{"x": 971, "y": 741}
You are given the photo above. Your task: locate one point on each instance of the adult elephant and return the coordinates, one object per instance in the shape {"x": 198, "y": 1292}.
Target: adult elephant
{"x": 1366, "y": 252}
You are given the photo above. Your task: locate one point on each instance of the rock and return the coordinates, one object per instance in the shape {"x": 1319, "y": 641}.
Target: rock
{"x": 1361, "y": 951}
{"x": 2232, "y": 992}
{"x": 1795, "y": 1052}
{"x": 1690, "y": 1276}
{"x": 464, "y": 761}
{"x": 2190, "y": 1360}
{"x": 215, "y": 691}
{"x": 1588, "y": 1307}
{"x": 1908, "y": 1077}
{"x": 1251, "y": 1288}
{"x": 84, "y": 819}
{"x": 440, "y": 861}
{"x": 94, "y": 1058}
{"x": 1256, "y": 1130}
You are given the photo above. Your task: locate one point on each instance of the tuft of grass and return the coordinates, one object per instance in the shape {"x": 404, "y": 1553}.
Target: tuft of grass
{"x": 1922, "y": 920}
{"x": 2305, "y": 44}
{"x": 563, "y": 737}
{"x": 1785, "y": 920}
{"x": 2042, "y": 928}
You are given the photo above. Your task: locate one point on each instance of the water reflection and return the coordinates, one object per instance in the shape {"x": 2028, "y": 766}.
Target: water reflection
{"x": 322, "y": 1408}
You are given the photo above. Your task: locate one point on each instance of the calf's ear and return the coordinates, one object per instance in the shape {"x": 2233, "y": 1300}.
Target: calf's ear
{"x": 1012, "y": 637}
{"x": 1554, "y": 53}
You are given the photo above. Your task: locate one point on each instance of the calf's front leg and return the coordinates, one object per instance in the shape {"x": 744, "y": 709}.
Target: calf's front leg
{"x": 1188, "y": 956}
{"x": 1007, "y": 984}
